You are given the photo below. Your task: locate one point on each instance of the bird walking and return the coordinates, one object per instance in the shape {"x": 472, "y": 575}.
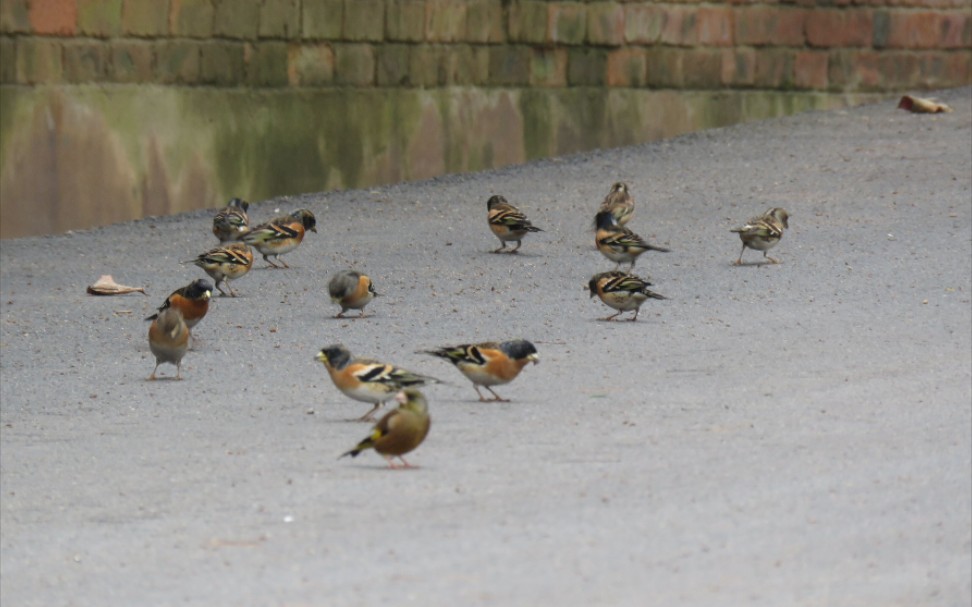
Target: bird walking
{"x": 489, "y": 363}
{"x": 225, "y": 263}
{"x": 763, "y": 233}
{"x": 168, "y": 339}
{"x": 192, "y": 300}
{"x": 620, "y": 244}
{"x": 281, "y": 235}
{"x": 507, "y": 223}
{"x": 352, "y": 291}
{"x": 232, "y": 222}
{"x": 367, "y": 380}
{"x": 400, "y": 430}
{"x": 619, "y": 203}
{"x": 622, "y": 291}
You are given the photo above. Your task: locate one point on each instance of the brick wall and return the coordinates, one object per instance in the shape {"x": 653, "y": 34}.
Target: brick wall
{"x": 52, "y": 52}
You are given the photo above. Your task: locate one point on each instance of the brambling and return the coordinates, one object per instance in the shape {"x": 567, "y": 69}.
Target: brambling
{"x": 490, "y": 363}
{"x": 366, "y": 380}
{"x": 192, "y": 300}
{"x": 232, "y": 222}
{"x": 507, "y": 222}
{"x": 352, "y": 291}
{"x": 763, "y": 233}
{"x": 168, "y": 339}
{"x": 400, "y": 430}
{"x": 621, "y": 291}
{"x": 281, "y": 235}
{"x": 619, "y": 203}
{"x": 620, "y": 244}
{"x": 224, "y": 264}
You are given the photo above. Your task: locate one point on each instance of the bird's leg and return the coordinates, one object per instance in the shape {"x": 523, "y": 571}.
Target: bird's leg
{"x": 517, "y": 247}
{"x": 179, "y": 371}
{"x": 611, "y": 317}
{"x": 282, "y": 262}
{"x": 501, "y": 248}
{"x": 497, "y": 398}
{"x": 405, "y": 462}
{"x": 479, "y": 394}
{"x": 771, "y": 260}
{"x": 362, "y": 315}
{"x": 340, "y": 314}
{"x": 152, "y": 377}
{"x": 370, "y": 415}
{"x": 739, "y": 261}
{"x": 635, "y": 317}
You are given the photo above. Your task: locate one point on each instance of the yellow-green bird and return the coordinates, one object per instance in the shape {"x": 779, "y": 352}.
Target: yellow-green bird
{"x": 400, "y": 430}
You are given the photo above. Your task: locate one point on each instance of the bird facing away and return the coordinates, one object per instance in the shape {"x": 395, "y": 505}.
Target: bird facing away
{"x": 232, "y": 222}
{"x": 367, "y": 380}
{"x": 763, "y": 233}
{"x": 619, "y": 203}
{"x": 192, "y": 300}
{"x": 507, "y": 222}
{"x": 490, "y": 363}
{"x": 352, "y": 291}
{"x": 168, "y": 339}
{"x": 620, "y": 244}
{"x": 281, "y": 235}
{"x": 621, "y": 291}
{"x": 225, "y": 263}
{"x": 400, "y": 430}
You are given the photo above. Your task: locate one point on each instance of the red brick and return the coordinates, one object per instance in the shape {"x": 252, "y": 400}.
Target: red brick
{"x": 810, "y": 70}
{"x": 605, "y": 23}
{"x": 738, "y": 66}
{"x": 58, "y": 17}
{"x": 778, "y": 26}
{"x": 702, "y": 68}
{"x": 840, "y": 28}
{"x": 774, "y": 68}
{"x": 484, "y": 21}
{"x": 444, "y": 21}
{"x": 567, "y": 23}
{"x": 929, "y": 30}
{"x": 678, "y": 27}
{"x": 714, "y": 26}
{"x": 145, "y": 17}
{"x": 642, "y": 23}
{"x": 627, "y": 67}
{"x": 310, "y": 64}
{"x": 13, "y": 17}
{"x": 548, "y": 67}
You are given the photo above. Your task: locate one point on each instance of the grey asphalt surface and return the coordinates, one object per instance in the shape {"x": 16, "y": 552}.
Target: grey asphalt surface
{"x": 798, "y": 434}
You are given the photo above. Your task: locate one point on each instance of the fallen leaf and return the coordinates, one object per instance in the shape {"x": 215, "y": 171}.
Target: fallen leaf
{"x": 921, "y": 105}
{"x": 106, "y": 285}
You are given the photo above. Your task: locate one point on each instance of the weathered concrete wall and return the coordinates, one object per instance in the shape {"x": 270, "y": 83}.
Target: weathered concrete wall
{"x": 115, "y": 109}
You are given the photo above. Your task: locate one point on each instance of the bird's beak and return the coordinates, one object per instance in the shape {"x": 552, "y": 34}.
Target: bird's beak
{"x": 534, "y": 358}
{"x": 207, "y": 294}
{"x": 314, "y": 229}
{"x": 321, "y": 357}
{"x": 401, "y": 398}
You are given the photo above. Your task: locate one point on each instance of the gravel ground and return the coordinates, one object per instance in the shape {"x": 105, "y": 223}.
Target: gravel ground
{"x": 797, "y": 434}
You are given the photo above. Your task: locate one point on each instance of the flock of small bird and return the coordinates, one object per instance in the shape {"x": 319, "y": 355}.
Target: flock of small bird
{"x": 485, "y": 364}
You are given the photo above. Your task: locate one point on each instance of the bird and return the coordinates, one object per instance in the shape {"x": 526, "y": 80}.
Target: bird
{"x": 226, "y": 263}
{"x": 507, "y": 222}
{"x": 619, "y": 203}
{"x": 232, "y": 222}
{"x": 281, "y": 235}
{"x": 367, "y": 380}
{"x": 620, "y": 244}
{"x": 168, "y": 339}
{"x": 352, "y": 291}
{"x": 400, "y": 430}
{"x": 621, "y": 291}
{"x": 763, "y": 233}
{"x": 192, "y": 300}
{"x": 489, "y": 363}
